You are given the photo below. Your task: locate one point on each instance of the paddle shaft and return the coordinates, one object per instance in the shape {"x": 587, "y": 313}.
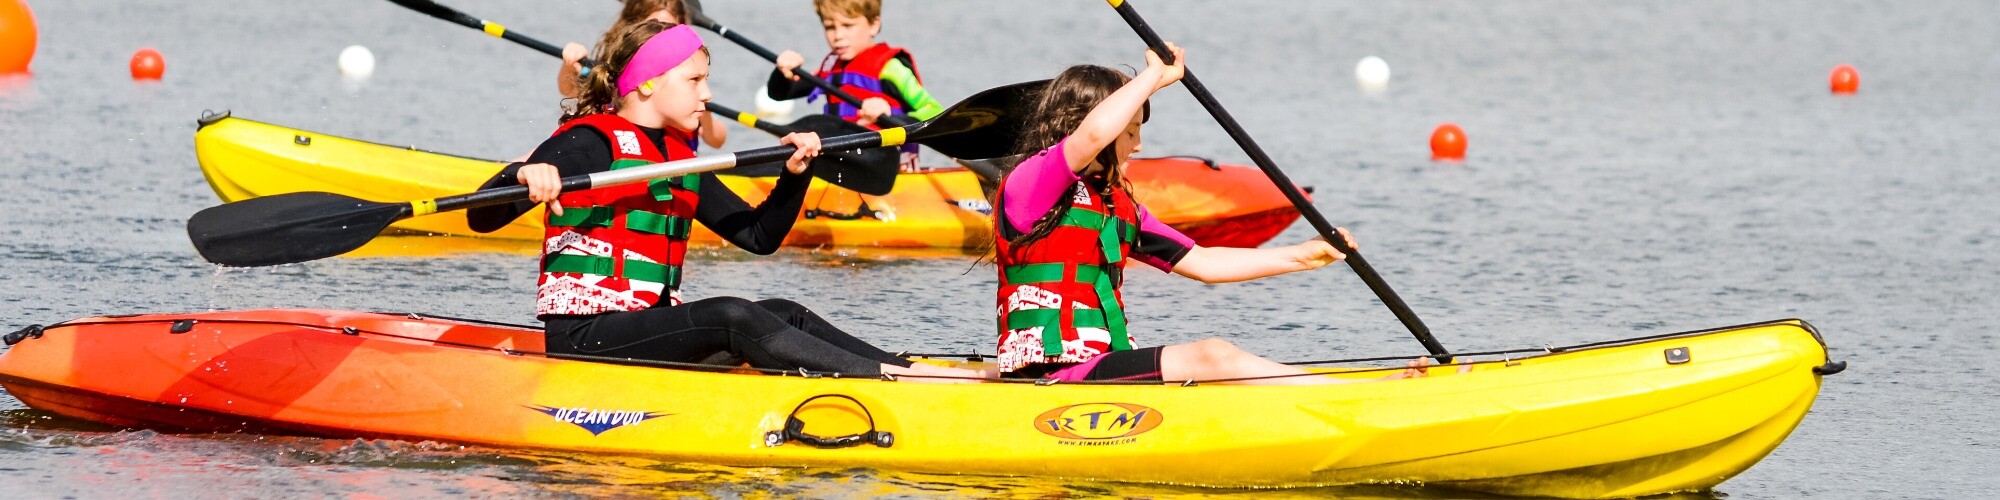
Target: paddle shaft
{"x": 751, "y": 121}
{"x": 455, "y": 16}
{"x": 509, "y": 194}
{"x": 824, "y": 86}
{"x": 440, "y": 11}
{"x": 1285, "y": 185}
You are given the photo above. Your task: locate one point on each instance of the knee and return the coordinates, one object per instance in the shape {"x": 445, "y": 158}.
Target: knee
{"x": 728, "y": 310}
{"x": 780, "y": 306}
{"x": 1215, "y": 351}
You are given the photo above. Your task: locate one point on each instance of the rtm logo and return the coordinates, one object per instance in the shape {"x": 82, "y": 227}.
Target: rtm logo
{"x": 1098, "y": 421}
{"x": 595, "y": 420}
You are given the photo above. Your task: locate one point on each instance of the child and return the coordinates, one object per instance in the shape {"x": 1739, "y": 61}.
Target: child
{"x": 884, "y": 77}
{"x": 1066, "y": 224}
{"x": 612, "y": 257}
{"x": 635, "y": 12}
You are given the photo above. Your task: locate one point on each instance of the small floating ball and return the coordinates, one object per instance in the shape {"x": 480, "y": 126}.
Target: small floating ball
{"x": 1448, "y": 143}
{"x": 769, "y": 108}
{"x": 357, "y": 61}
{"x": 1372, "y": 73}
{"x": 17, "y": 36}
{"x": 1845, "y": 80}
{"x": 148, "y": 65}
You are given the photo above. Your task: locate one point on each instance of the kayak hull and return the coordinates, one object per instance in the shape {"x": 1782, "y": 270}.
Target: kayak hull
{"x": 1220, "y": 205}
{"x": 1614, "y": 420}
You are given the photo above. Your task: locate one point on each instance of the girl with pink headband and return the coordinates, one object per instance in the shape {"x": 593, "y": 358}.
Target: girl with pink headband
{"x": 612, "y": 258}
{"x": 569, "y": 78}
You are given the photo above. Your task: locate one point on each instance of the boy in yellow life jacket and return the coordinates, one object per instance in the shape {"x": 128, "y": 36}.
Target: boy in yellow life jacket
{"x": 883, "y": 76}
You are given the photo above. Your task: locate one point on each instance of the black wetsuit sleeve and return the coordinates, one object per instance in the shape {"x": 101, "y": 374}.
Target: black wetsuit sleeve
{"x": 760, "y": 230}
{"x": 1160, "y": 247}
{"x": 785, "y": 89}
{"x": 580, "y": 151}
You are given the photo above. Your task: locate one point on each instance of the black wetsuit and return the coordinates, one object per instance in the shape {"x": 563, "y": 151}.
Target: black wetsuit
{"x": 777, "y": 333}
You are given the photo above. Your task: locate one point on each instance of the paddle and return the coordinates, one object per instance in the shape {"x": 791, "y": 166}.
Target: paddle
{"x": 697, "y": 18}
{"x": 299, "y": 227}
{"x": 872, "y": 172}
{"x": 453, "y": 16}
{"x": 1263, "y": 161}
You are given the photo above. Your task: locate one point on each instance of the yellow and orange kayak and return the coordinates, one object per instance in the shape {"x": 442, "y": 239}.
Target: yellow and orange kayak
{"x": 1217, "y": 205}
{"x": 1634, "y": 417}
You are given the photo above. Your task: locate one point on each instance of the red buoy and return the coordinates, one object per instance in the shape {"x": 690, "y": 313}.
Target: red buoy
{"x": 17, "y": 36}
{"x": 1845, "y": 80}
{"x": 1448, "y": 143}
{"x": 148, "y": 65}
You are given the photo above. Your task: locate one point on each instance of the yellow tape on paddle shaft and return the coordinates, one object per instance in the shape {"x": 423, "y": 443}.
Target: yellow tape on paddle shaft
{"x": 893, "y": 136}
{"x": 747, "y": 119}
{"x": 494, "y": 29}
{"x": 1116, "y": 3}
{"x": 421, "y": 208}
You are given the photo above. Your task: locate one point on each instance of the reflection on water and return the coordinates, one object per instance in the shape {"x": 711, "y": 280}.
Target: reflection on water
{"x": 114, "y": 460}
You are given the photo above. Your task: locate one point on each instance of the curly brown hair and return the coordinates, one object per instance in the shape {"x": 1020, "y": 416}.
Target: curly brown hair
{"x": 598, "y": 91}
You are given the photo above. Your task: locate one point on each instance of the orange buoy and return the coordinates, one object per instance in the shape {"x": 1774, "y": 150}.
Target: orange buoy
{"x": 1845, "y": 80}
{"x": 148, "y": 65}
{"x": 1448, "y": 143}
{"x": 17, "y": 36}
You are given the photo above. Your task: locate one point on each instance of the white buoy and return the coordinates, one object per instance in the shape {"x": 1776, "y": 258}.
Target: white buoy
{"x": 1372, "y": 73}
{"x": 771, "y": 109}
{"x": 357, "y": 62}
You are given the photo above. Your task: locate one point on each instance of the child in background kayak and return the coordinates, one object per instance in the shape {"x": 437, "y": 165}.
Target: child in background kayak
{"x": 1066, "y": 224}
{"x": 611, "y": 259}
{"x": 884, "y": 77}
{"x": 634, "y": 12}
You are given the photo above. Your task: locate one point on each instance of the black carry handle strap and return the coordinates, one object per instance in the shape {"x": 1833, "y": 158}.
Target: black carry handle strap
{"x": 795, "y": 429}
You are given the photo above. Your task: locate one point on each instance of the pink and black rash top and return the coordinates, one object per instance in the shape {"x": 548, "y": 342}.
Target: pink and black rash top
{"x": 1032, "y": 189}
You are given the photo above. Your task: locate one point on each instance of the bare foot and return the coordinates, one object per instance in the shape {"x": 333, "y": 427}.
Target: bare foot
{"x": 1416, "y": 368}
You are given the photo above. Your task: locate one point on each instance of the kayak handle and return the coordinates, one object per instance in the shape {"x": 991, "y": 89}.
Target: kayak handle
{"x": 795, "y": 430}
{"x": 35, "y": 332}
{"x": 859, "y": 213}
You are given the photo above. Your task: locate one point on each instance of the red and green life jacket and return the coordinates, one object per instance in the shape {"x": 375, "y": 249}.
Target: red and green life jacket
{"x": 619, "y": 248}
{"x": 1059, "y": 299}
{"x": 861, "y": 77}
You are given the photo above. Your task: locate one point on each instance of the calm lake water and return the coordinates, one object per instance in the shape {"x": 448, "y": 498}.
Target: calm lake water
{"x": 1635, "y": 168}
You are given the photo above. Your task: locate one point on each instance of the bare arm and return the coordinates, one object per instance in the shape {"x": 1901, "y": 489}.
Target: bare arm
{"x": 567, "y": 76}
{"x": 1108, "y": 120}
{"x": 1229, "y": 265}
{"x": 712, "y": 133}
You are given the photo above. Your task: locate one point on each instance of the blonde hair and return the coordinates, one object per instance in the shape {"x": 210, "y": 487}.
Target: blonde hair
{"x": 866, "y": 9}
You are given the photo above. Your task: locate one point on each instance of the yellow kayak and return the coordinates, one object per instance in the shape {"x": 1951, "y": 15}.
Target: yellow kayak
{"x": 1218, "y": 205}
{"x": 1643, "y": 416}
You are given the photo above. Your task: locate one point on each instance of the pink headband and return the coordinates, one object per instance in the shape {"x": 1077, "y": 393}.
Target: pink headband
{"x": 660, "y": 54}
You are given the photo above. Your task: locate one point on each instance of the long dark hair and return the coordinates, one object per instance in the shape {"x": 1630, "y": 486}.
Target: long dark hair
{"x": 1058, "y": 111}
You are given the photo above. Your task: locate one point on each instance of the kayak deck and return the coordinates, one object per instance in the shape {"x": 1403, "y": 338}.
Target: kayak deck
{"x": 1217, "y": 205}
{"x": 1622, "y": 418}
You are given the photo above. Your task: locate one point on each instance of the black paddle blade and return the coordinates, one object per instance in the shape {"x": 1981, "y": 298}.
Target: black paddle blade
{"x": 869, "y": 171}
{"x": 696, "y": 16}
{"x": 439, "y": 11}
{"x": 986, "y": 125}
{"x": 288, "y": 228}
